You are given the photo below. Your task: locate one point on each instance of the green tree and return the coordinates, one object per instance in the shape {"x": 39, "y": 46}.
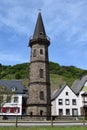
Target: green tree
{"x": 18, "y": 75}
{"x": 5, "y": 95}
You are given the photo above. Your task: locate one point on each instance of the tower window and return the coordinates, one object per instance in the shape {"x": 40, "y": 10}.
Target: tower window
{"x": 41, "y": 73}
{"x": 41, "y": 51}
{"x": 34, "y": 53}
{"x": 41, "y": 112}
{"x": 41, "y": 95}
{"x": 31, "y": 113}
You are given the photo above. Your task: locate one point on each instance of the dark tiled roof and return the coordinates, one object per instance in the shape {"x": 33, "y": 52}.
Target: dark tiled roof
{"x": 78, "y": 84}
{"x": 11, "y": 84}
{"x": 39, "y": 28}
{"x": 57, "y": 92}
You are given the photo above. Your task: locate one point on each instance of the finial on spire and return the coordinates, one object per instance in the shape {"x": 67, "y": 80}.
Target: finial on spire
{"x": 39, "y": 10}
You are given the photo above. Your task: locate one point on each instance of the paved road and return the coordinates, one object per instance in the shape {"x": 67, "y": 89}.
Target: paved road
{"x": 42, "y": 124}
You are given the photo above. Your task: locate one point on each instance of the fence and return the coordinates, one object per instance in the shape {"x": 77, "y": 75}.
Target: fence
{"x": 51, "y": 120}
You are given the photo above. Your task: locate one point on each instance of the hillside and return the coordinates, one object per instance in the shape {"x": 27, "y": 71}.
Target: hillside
{"x": 58, "y": 74}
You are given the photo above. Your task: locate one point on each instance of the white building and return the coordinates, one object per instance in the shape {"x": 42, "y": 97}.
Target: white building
{"x": 80, "y": 89}
{"x": 17, "y": 103}
{"x": 65, "y": 102}
{"x": 71, "y": 101}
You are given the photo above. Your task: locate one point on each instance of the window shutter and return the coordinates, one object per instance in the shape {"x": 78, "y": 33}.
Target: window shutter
{"x": 4, "y": 109}
{"x": 18, "y": 109}
{"x": 12, "y": 110}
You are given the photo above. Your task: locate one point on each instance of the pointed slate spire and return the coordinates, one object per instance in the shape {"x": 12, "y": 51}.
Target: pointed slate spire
{"x": 39, "y": 31}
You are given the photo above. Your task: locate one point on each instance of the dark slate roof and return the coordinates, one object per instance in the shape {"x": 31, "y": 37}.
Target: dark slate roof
{"x": 10, "y": 84}
{"x": 57, "y": 92}
{"x": 78, "y": 84}
{"x": 39, "y": 31}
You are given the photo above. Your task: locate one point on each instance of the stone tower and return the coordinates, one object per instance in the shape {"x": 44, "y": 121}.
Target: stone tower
{"x": 39, "y": 84}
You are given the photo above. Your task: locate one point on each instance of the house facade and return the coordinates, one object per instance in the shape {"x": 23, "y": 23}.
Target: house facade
{"x": 80, "y": 89}
{"x": 18, "y": 100}
{"x": 15, "y": 106}
{"x": 65, "y": 102}
{"x": 72, "y": 101}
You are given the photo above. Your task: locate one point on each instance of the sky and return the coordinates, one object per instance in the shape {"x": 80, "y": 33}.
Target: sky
{"x": 65, "y": 24}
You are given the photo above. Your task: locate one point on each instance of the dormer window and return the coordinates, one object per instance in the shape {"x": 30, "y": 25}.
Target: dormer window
{"x": 14, "y": 89}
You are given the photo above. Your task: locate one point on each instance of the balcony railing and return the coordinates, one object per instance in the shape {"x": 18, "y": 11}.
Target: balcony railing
{"x": 40, "y": 36}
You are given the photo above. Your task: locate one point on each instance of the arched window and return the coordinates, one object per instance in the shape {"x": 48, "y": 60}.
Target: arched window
{"x": 41, "y": 73}
{"x": 41, "y": 51}
{"x": 34, "y": 53}
{"x": 41, "y": 95}
{"x": 31, "y": 114}
{"x": 41, "y": 112}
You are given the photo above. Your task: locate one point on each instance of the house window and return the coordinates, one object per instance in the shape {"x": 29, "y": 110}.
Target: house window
{"x": 14, "y": 89}
{"x": 67, "y": 93}
{"x": 60, "y": 102}
{"x": 15, "y": 99}
{"x": 67, "y": 101}
{"x": 7, "y": 110}
{"x": 74, "y": 112}
{"x": 85, "y": 98}
{"x": 15, "y": 110}
{"x": 67, "y": 111}
{"x": 41, "y": 73}
{"x": 60, "y": 112}
{"x": 41, "y": 95}
{"x": 73, "y": 101}
{"x": 34, "y": 53}
{"x": 41, "y": 51}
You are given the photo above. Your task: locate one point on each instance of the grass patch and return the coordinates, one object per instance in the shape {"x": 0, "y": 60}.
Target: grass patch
{"x": 43, "y": 128}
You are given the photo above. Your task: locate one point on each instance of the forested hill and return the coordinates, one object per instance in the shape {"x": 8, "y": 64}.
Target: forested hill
{"x": 58, "y": 74}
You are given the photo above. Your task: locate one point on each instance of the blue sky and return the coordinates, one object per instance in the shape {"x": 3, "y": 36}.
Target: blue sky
{"x": 65, "y": 23}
